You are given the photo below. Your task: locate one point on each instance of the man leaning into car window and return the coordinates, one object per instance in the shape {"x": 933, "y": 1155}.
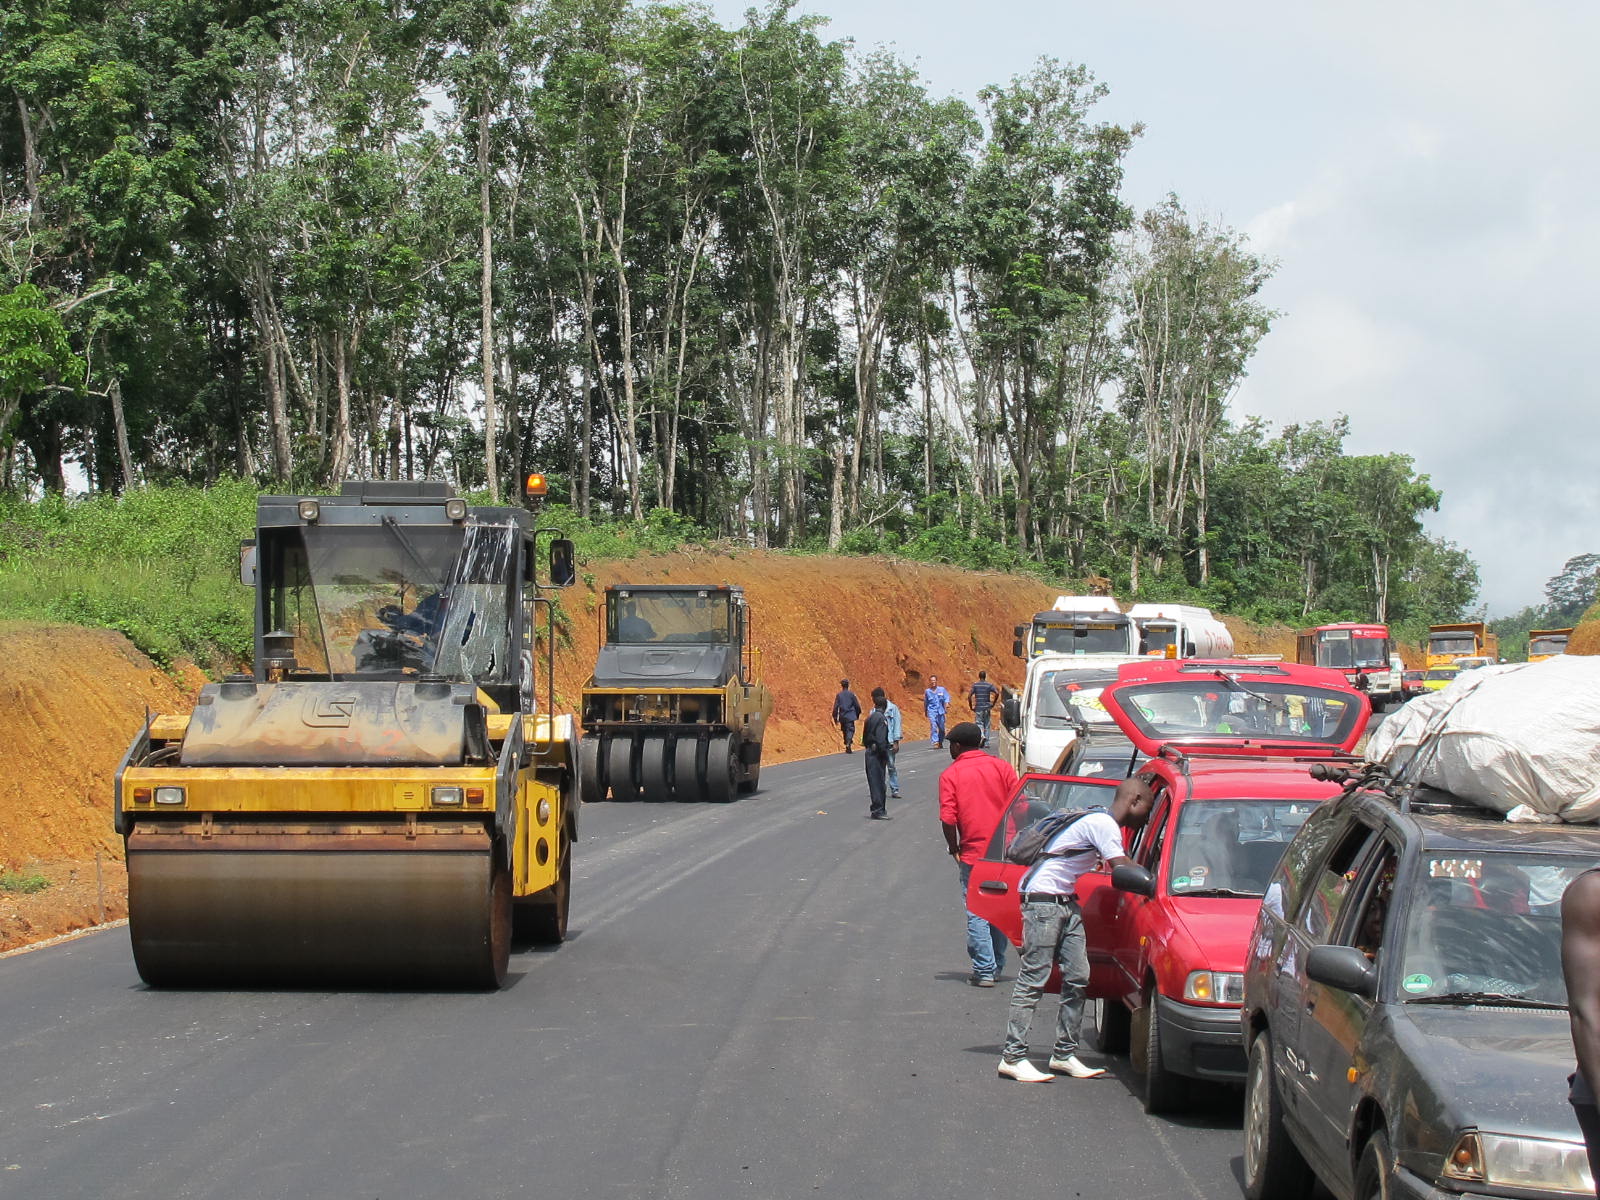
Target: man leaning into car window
{"x": 1580, "y": 964}
{"x": 1052, "y": 931}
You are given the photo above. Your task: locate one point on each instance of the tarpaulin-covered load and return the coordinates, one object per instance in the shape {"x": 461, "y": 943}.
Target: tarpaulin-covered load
{"x": 1506, "y": 736}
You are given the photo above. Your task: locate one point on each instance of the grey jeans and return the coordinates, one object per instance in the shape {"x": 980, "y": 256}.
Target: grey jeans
{"x": 1051, "y": 934}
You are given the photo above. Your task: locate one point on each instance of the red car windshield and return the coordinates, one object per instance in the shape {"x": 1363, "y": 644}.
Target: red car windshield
{"x": 1231, "y": 847}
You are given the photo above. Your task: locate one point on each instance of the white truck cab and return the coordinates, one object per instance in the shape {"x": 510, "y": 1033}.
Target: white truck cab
{"x": 1038, "y": 725}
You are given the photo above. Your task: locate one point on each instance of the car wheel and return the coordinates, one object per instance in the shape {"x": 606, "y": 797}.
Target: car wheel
{"x": 1273, "y": 1165}
{"x": 1163, "y": 1091}
{"x": 1110, "y": 1026}
{"x": 1375, "y": 1174}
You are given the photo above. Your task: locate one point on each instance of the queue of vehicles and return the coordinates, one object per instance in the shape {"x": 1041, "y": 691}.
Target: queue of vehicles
{"x": 1381, "y": 970}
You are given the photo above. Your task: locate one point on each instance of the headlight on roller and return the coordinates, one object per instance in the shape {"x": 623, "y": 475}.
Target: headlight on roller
{"x": 1500, "y": 1160}
{"x": 169, "y": 795}
{"x": 448, "y": 797}
{"x": 1214, "y": 987}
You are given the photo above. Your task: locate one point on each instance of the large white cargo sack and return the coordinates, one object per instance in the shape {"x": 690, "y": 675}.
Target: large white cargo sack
{"x": 1503, "y": 736}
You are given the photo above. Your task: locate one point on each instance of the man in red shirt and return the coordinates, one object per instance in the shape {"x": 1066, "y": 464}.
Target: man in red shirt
{"x": 973, "y": 791}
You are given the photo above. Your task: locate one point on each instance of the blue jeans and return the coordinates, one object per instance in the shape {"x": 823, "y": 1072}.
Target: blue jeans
{"x": 894, "y": 776}
{"x": 984, "y": 715}
{"x": 986, "y": 945}
{"x": 1051, "y": 934}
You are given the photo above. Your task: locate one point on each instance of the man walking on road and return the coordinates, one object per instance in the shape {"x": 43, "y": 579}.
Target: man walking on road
{"x": 981, "y": 699}
{"x": 1052, "y": 931}
{"x": 973, "y": 790}
{"x": 846, "y": 711}
{"x": 897, "y": 729}
{"x": 935, "y": 700}
{"x": 875, "y": 743}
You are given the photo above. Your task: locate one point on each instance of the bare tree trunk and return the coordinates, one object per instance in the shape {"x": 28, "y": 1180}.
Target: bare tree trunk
{"x": 120, "y": 423}
{"x": 491, "y": 415}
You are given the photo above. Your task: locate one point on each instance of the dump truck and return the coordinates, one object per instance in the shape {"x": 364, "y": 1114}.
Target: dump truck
{"x": 1461, "y": 639}
{"x": 1547, "y": 643}
{"x": 674, "y": 709}
{"x": 379, "y": 802}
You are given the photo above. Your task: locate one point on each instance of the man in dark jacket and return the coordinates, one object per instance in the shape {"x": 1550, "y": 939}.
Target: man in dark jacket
{"x": 846, "y": 712}
{"x": 875, "y": 742}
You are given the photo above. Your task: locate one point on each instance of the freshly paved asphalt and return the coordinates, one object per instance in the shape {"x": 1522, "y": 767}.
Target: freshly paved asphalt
{"x": 767, "y": 999}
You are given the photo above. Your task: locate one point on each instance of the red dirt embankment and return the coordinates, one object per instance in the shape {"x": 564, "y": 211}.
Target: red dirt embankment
{"x": 71, "y": 698}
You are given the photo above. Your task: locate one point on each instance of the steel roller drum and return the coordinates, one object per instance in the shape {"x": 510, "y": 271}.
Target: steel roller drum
{"x": 330, "y": 908}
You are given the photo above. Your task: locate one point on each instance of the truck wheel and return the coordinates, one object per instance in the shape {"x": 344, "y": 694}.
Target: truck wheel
{"x": 1110, "y": 1026}
{"x": 1375, "y": 1175}
{"x": 1273, "y": 1165}
{"x": 653, "y": 769}
{"x": 1163, "y": 1091}
{"x": 619, "y": 769}
{"x": 722, "y": 768}
{"x": 685, "y": 769}
{"x": 591, "y": 777}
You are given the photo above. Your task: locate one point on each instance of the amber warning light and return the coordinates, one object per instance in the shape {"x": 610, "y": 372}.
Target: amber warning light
{"x": 535, "y": 485}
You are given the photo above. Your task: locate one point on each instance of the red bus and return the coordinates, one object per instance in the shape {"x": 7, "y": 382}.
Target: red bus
{"x": 1362, "y": 652}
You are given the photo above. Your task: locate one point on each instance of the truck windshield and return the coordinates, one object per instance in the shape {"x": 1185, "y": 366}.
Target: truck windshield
{"x": 1078, "y": 689}
{"x": 1154, "y": 639}
{"x": 1094, "y": 637}
{"x": 1452, "y": 643}
{"x": 1225, "y": 847}
{"x": 1485, "y": 925}
{"x": 1548, "y": 645}
{"x": 391, "y": 601}
{"x": 1340, "y": 650}
{"x": 637, "y": 617}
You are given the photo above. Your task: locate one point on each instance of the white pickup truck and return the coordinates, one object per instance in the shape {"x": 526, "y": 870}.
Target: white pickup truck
{"x": 1038, "y": 725}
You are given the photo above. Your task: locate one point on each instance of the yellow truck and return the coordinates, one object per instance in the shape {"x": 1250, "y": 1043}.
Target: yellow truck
{"x": 378, "y": 801}
{"x": 1462, "y": 639}
{"x": 1547, "y": 643}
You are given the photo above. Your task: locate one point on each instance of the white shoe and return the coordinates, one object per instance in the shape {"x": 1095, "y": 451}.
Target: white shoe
{"x": 1070, "y": 1065}
{"x": 1024, "y": 1072}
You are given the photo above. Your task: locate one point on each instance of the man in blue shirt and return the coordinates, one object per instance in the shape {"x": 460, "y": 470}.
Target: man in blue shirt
{"x": 935, "y": 701}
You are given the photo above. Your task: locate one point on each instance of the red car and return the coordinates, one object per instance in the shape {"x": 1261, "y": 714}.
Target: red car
{"x": 1229, "y": 746}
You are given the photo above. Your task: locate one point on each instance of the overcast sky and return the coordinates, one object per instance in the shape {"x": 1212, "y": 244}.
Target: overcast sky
{"x": 1426, "y": 175}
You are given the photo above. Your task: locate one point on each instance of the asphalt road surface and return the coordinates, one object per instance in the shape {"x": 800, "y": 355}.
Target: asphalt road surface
{"x": 766, "y": 999}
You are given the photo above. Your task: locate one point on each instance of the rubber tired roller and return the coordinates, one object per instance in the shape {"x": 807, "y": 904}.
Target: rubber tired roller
{"x": 378, "y": 803}
{"x": 673, "y": 710}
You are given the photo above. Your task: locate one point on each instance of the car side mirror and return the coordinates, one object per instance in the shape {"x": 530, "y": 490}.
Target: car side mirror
{"x": 1344, "y": 968}
{"x": 1011, "y": 714}
{"x": 563, "y": 563}
{"x": 1131, "y": 877}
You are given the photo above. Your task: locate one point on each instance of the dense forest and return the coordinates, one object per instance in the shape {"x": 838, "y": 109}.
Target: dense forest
{"x": 754, "y": 279}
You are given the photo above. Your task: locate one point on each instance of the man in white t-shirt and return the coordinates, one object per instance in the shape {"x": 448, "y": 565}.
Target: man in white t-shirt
{"x": 1052, "y": 931}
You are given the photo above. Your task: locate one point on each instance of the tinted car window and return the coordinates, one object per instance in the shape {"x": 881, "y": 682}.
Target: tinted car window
{"x": 1041, "y": 796}
{"x": 1288, "y": 882}
{"x": 1487, "y": 923}
{"x": 1333, "y": 884}
{"x": 1369, "y": 917}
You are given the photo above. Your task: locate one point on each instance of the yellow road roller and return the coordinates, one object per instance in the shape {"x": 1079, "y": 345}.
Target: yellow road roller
{"x": 673, "y": 710}
{"x": 379, "y": 803}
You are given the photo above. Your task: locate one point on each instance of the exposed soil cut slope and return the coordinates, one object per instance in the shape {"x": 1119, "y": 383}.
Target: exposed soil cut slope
{"x": 71, "y": 698}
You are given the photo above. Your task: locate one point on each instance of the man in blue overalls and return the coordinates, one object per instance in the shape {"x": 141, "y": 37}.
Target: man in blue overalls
{"x": 935, "y": 701}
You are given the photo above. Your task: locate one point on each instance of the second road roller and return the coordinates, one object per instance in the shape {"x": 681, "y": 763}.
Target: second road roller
{"x": 674, "y": 710}
{"x": 379, "y": 802}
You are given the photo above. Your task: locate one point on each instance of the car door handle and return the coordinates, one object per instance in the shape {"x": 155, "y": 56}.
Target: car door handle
{"x": 996, "y": 886}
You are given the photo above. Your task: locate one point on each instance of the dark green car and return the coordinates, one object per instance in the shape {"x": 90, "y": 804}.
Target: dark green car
{"x": 1404, "y": 1014}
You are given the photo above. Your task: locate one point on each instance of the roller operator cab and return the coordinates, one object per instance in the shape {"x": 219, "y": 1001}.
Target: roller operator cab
{"x": 674, "y": 710}
{"x": 379, "y": 801}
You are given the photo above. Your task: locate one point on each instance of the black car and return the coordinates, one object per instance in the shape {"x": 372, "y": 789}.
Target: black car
{"x": 1405, "y": 1018}
{"x": 1099, "y": 752}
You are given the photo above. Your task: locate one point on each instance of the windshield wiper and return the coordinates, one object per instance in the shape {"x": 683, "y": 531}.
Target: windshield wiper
{"x": 1505, "y": 998}
{"x": 1219, "y": 891}
{"x": 1233, "y": 682}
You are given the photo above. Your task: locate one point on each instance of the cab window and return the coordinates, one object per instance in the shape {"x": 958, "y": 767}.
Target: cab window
{"x": 1334, "y": 883}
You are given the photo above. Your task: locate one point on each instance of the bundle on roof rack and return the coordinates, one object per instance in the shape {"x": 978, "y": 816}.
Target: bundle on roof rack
{"x": 1504, "y": 737}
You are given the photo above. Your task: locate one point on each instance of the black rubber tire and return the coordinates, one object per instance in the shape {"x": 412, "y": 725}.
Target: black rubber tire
{"x": 752, "y": 778}
{"x": 591, "y": 769}
{"x": 1162, "y": 1091}
{"x": 620, "y": 768}
{"x": 1110, "y": 1026}
{"x": 1273, "y": 1165}
{"x": 686, "y": 770}
{"x": 653, "y": 779}
{"x": 722, "y": 769}
{"x": 1375, "y": 1171}
{"x": 542, "y": 918}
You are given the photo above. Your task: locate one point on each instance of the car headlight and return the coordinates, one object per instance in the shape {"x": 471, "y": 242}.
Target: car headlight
{"x": 1214, "y": 987}
{"x": 1499, "y": 1159}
